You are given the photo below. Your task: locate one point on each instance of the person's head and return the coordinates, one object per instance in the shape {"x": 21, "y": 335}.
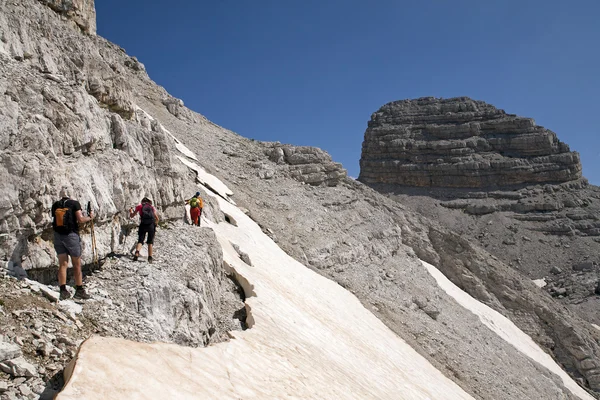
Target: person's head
{"x": 64, "y": 192}
{"x": 146, "y": 200}
{"x": 197, "y": 194}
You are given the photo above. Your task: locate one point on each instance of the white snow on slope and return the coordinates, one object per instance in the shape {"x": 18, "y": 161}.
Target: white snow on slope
{"x": 180, "y": 146}
{"x": 209, "y": 180}
{"x": 308, "y": 339}
{"x": 203, "y": 177}
{"x": 506, "y": 329}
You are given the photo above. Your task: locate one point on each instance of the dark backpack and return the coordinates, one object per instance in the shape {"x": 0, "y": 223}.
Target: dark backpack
{"x": 64, "y": 218}
{"x": 147, "y": 214}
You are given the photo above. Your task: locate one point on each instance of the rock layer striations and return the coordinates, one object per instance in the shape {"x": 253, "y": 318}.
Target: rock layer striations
{"x": 461, "y": 143}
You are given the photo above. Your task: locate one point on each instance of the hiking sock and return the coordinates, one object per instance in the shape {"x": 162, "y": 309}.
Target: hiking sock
{"x": 63, "y": 287}
{"x": 78, "y": 287}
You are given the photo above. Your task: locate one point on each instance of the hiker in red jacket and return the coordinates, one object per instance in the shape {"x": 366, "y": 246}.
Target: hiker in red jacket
{"x": 148, "y": 222}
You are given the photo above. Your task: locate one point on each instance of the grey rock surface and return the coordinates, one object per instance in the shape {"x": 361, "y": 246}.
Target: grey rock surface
{"x": 19, "y": 367}
{"x": 307, "y": 164}
{"x": 81, "y": 12}
{"x": 460, "y": 142}
{"x": 9, "y": 351}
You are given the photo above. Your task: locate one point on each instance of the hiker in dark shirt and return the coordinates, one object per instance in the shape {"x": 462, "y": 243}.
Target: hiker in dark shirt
{"x": 66, "y": 217}
{"x": 148, "y": 222}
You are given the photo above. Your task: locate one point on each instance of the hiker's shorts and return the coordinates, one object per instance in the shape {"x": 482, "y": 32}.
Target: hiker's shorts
{"x": 67, "y": 244}
{"x": 146, "y": 229}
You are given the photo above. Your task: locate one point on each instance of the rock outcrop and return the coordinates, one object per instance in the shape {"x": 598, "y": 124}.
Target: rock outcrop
{"x": 461, "y": 143}
{"x": 308, "y": 164}
{"x": 81, "y": 12}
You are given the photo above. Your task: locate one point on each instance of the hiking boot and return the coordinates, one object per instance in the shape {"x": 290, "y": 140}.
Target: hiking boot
{"x": 64, "y": 294}
{"x": 135, "y": 257}
{"x": 81, "y": 294}
{"x": 150, "y": 259}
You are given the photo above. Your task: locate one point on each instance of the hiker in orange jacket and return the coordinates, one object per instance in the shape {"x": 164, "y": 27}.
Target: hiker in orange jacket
{"x": 196, "y": 205}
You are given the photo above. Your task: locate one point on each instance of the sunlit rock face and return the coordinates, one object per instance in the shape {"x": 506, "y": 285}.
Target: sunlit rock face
{"x": 81, "y": 12}
{"x": 461, "y": 143}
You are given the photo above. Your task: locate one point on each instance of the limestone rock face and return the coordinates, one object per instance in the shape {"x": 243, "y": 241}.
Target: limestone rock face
{"x": 308, "y": 164}
{"x": 68, "y": 118}
{"x": 82, "y": 12}
{"x": 461, "y": 143}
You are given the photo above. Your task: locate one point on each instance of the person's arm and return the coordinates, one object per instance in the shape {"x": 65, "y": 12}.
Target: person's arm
{"x": 81, "y": 219}
{"x": 132, "y": 212}
{"x": 156, "y": 219}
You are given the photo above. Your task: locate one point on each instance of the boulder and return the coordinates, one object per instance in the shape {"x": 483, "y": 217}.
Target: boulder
{"x": 9, "y": 351}
{"x": 19, "y": 367}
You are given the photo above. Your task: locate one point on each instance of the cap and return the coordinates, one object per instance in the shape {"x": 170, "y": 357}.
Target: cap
{"x": 197, "y": 194}
{"x": 64, "y": 192}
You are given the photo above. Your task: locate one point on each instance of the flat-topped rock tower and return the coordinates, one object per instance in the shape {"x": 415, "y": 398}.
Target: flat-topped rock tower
{"x": 461, "y": 143}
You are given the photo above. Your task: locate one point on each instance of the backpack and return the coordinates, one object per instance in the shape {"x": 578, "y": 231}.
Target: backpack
{"x": 64, "y": 221}
{"x": 196, "y": 202}
{"x": 147, "y": 214}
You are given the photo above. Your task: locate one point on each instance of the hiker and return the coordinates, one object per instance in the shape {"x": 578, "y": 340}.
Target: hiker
{"x": 66, "y": 215}
{"x": 196, "y": 205}
{"x": 148, "y": 222}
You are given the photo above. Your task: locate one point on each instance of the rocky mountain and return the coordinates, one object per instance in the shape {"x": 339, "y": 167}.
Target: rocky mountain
{"x": 77, "y": 111}
{"x": 461, "y": 143}
{"x": 496, "y": 179}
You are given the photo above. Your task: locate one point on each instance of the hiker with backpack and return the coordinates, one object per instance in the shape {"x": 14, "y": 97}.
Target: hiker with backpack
{"x": 148, "y": 222}
{"x": 66, "y": 215}
{"x": 196, "y": 205}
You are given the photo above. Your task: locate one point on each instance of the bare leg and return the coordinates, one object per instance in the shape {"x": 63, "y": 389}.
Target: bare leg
{"x": 138, "y": 247}
{"x": 63, "y": 264}
{"x": 149, "y": 250}
{"x": 77, "y": 271}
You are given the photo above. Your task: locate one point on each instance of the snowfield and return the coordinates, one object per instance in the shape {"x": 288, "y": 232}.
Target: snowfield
{"x": 308, "y": 338}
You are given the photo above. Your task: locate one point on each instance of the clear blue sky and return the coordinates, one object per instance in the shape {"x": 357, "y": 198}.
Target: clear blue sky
{"x": 311, "y": 72}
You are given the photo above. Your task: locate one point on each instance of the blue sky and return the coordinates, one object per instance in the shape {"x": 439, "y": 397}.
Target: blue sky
{"x": 312, "y": 72}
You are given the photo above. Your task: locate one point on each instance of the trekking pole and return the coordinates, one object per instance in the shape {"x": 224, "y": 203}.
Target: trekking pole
{"x": 94, "y": 249}
{"x": 130, "y": 229}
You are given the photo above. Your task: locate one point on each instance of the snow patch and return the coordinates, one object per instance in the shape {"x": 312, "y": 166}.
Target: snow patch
{"x": 179, "y": 146}
{"x": 506, "y": 329}
{"x": 209, "y": 180}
